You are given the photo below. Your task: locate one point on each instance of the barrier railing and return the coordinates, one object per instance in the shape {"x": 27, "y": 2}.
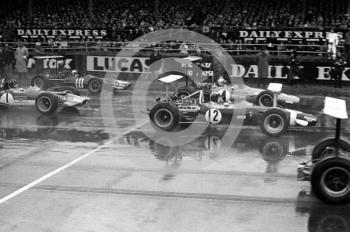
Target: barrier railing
{"x": 169, "y": 47}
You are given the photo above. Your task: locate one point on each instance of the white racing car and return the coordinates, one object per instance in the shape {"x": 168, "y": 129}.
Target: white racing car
{"x": 46, "y": 102}
{"x": 274, "y": 121}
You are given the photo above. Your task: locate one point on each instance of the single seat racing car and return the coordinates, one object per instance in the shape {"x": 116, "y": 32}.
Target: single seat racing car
{"x": 219, "y": 109}
{"x": 46, "y": 102}
{"x": 75, "y": 81}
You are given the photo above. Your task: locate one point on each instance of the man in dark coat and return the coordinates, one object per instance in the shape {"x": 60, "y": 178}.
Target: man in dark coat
{"x": 263, "y": 66}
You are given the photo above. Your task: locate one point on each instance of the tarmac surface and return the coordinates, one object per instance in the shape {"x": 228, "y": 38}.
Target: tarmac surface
{"x": 72, "y": 171}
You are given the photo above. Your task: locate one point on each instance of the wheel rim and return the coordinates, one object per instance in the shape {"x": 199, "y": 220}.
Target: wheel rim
{"x": 38, "y": 82}
{"x": 44, "y": 104}
{"x": 266, "y": 100}
{"x": 274, "y": 123}
{"x": 95, "y": 85}
{"x": 163, "y": 118}
{"x": 335, "y": 181}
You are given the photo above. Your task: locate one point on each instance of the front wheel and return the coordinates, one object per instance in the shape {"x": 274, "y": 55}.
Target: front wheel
{"x": 95, "y": 86}
{"x": 328, "y": 147}
{"x": 330, "y": 179}
{"x": 46, "y": 103}
{"x": 265, "y": 98}
{"x": 165, "y": 116}
{"x": 40, "y": 82}
{"x": 274, "y": 122}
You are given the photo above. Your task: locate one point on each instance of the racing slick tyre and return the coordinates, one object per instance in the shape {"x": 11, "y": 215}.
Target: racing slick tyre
{"x": 274, "y": 122}
{"x": 94, "y": 86}
{"x": 165, "y": 116}
{"x": 330, "y": 179}
{"x": 46, "y": 103}
{"x": 327, "y": 147}
{"x": 265, "y": 98}
{"x": 40, "y": 82}
{"x": 183, "y": 92}
{"x": 67, "y": 89}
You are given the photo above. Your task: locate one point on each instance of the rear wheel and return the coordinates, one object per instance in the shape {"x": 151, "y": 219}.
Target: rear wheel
{"x": 94, "y": 86}
{"x": 183, "y": 92}
{"x": 274, "y": 122}
{"x": 46, "y": 103}
{"x": 165, "y": 116}
{"x": 330, "y": 179}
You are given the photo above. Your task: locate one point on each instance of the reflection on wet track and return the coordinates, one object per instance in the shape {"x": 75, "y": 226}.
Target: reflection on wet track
{"x": 241, "y": 185}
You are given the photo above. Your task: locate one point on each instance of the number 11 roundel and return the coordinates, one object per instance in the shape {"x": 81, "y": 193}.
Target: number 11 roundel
{"x": 213, "y": 116}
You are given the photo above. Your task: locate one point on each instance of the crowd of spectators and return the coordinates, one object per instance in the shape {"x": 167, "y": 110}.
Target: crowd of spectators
{"x": 143, "y": 16}
{"x": 129, "y": 19}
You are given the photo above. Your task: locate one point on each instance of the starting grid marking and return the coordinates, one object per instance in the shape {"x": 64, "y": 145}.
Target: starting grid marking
{"x": 64, "y": 167}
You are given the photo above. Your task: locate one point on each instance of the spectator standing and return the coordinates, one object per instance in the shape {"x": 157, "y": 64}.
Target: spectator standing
{"x": 21, "y": 56}
{"x": 38, "y": 51}
{"x": 263, "y": 66}
{"x": 8, "y": 60}
{"x": 338, "y": 68}
{"x": 347, "y": 46}
{"x": 333, "y": 40}
{"x": 294, "y": 69}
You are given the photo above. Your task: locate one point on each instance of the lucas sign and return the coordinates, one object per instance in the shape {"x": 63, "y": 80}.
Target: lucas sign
{"x": 117, "y": 64}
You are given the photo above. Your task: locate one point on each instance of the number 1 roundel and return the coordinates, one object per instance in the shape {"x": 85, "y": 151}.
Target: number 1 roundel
{"x": 213, "y": 116}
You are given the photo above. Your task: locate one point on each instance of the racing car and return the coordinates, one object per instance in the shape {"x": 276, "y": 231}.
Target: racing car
{"x": 46, "y": 102}
{"x": 329, "y": 167}
{"x": 274, "y": 121}
{"x": 75, "y": 82}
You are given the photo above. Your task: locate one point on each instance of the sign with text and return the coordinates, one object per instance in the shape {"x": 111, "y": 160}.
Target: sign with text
{"x": 69, "y": 33}
{"x": 117, "y": 64}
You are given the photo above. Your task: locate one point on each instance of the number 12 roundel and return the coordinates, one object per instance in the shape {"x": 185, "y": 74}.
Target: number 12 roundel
{"x": 213, "y": 116}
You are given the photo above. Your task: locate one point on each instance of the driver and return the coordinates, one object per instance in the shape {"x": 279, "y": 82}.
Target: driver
{"x": 75, "y": 73}
{"x": 220, "y": 93}
{"x": 11, "y": 84}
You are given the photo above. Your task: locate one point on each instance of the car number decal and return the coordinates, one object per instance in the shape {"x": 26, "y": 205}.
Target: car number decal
{"x": 79, "y": 82}
{"x": 212, "y": 143}
{"x": 213, "y": 116}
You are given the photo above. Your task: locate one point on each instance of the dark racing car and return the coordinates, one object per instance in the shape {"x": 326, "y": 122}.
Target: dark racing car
{"x": 75, "y": 82}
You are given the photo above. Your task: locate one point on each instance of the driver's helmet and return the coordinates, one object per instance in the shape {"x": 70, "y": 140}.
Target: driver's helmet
{"x": 12, "y": 83}
{"x": 74, "y": 73}
{"x": 221, "y": 81}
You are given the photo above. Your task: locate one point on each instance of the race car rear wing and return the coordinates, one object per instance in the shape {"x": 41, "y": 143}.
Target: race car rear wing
{"x": 336, "y": 108}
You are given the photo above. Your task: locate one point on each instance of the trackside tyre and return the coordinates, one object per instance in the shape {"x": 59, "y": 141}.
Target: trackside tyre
{"x": 274, "y": 122}
{"x": 40, "y": 82}
{"x": 330, "y": 179}
{"x": 327, "y": 147}
{"x": 165, "y": 116}
{"x": 95, "y": 86}
{"x": 183, "y": 92}
{"x": 46, "y": 103}
{"x": 67, "y": 89}
{"x": 265, "y": 98}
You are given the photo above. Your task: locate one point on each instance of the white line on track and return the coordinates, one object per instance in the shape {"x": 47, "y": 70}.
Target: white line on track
{"x": 62, "y": 168}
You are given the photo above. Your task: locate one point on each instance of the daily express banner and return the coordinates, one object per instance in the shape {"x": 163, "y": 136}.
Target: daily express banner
{"x": 70, "y": 33}
{"x": 308, "y": 35}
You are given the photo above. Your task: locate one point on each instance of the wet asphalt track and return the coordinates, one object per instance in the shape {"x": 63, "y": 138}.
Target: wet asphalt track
{"x": 127, "y": 182}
